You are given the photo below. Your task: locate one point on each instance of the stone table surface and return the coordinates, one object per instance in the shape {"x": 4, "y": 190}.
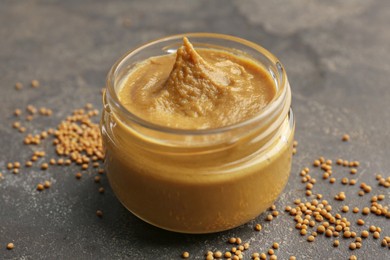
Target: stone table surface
{"x": 337, "y": 57}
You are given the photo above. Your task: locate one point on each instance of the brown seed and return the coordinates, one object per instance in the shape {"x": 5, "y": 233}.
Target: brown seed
{"x": 238, "y": 241}
{"x": 361, "y": 193}
{"x": 99, "y": 213}
{"x": 353, "y": 171}
{"x": 28, "y": 164}
{"x": 47, "y": 184}
{"x": 101, "y": 190}
{"x": 372, "y": 228}
{"x": 336, "y": 243}
{"x": 347, "y": 234}
{"x": 34, "y": 83}
{"x": 263, "y": 256}
{"x": 352, "y": 246}
{"x": 78, "y": 175}
{"x": 381, "y": 197}
{"x": 269, "y": 217}
{"x": 310, "y": 239}
{"x": 271, "y": 251}
{"x": 97, "y": 179}
{"x": 352, "y": 257}
{"x": 44, "y": 166}
{"x": 227, "y": 254}
{"x": 316, "y": 163}
{"x": 360, "y": 222}
{"x": 292, "y": 258}
{"x": 40, "y": 187}
{"x": 376, "y": 235}
{"x": 365, "y": 234}
{"x": 232, "y": 240}
{"x": 344, "y": 180}
{"x": 258, "y": 227}
{"x": 365, "y": 211}
{"x": 355, "y": 210}
{"x": 345, "y": 138}
{"x": 185, "y": 254}
{"x": 10, "y": 246}
{"x": 345, "y": 208}
{"x": 275, "y": 245}
{"x": 273, "y": 257}
{"x": 218, "y": 254}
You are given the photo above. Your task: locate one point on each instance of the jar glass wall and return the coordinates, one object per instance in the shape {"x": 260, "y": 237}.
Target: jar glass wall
{"x": 198, "y": 181}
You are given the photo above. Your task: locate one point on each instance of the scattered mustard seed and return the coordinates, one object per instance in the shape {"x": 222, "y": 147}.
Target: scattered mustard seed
{"x": 218, "y": 254}
{"x": 185, "y": 254}
{"x": 35, "y": 83}
{"x": 99, "y": 213}
{"x": 258, "y": 227}
{"x": 345, "y": 138}
{"x": 40, "y": 187}
{"x": 10, "y": 246}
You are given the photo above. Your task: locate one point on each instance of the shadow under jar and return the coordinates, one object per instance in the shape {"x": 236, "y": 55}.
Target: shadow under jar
{"x": 198, "y": 181}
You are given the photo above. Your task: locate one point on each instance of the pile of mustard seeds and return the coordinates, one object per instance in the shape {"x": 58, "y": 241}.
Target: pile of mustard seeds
{"x": 76, "y": 140}
{"x": 314, "y": 216}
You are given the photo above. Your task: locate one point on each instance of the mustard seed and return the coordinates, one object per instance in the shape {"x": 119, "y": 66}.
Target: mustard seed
{"x": 352, "y": 257}
{"x": 238, "y": 241}
{"x": 273, "y": 257}
{"x": 365, "y": 234}
{"x": 269, "y": 217}
{"x": 10, "y": 246}
{"x": 227, "y": 254}
{"x": 292, "y": 258}
{"x": 97, "y": 179}
{"x": 372, "y": 228}
{"x": 275, "y": 245}
{"x": 345, "y": 208}
{"x": 40, "y": 187}
{"x": 232, "y": 240}
{"x": 376, "y": 235}
{"x": 185, "y": 254}
{"x": 316, "y": 163}
{"x": 345, "y": 138}
{"x": 263, "y": 256}
{"x": 218, "y": 254}
{"x": 365, "y": 211}
{"x": 78, "y": 175}
{"x": 271, "y": 251}
{"x": 355, "y": 210}
{"x": 258, "y": 227}
{"x": 360, "y": 222}
{"x": 353, "y": 171}
{"x": 35, "y": 83}
{"x": 347, "y": 234}
{"x": 101, "y": 190}
{"x": 99, "y": 213}
{"x": 310, "y": 239}
{"x": 47, "y": 184}
{"x": 44, "y": 166}
{"x": 352, "y": 246}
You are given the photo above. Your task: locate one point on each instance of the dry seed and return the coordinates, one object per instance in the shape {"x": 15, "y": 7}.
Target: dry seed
{"x": 10, "y": 246}
{"x": 345, "y": 138}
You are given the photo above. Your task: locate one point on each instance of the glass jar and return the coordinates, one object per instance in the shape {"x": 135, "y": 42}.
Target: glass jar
{"x": 198, "y": 181}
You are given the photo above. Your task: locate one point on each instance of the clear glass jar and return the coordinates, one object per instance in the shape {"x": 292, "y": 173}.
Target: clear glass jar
{"x": 198, "y": 181}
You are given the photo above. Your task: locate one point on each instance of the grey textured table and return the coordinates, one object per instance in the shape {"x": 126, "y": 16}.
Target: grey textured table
{"x": 337, "y": 57}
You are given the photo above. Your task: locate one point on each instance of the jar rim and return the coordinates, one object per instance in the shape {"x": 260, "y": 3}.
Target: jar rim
{"x": 270, "y": 108}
